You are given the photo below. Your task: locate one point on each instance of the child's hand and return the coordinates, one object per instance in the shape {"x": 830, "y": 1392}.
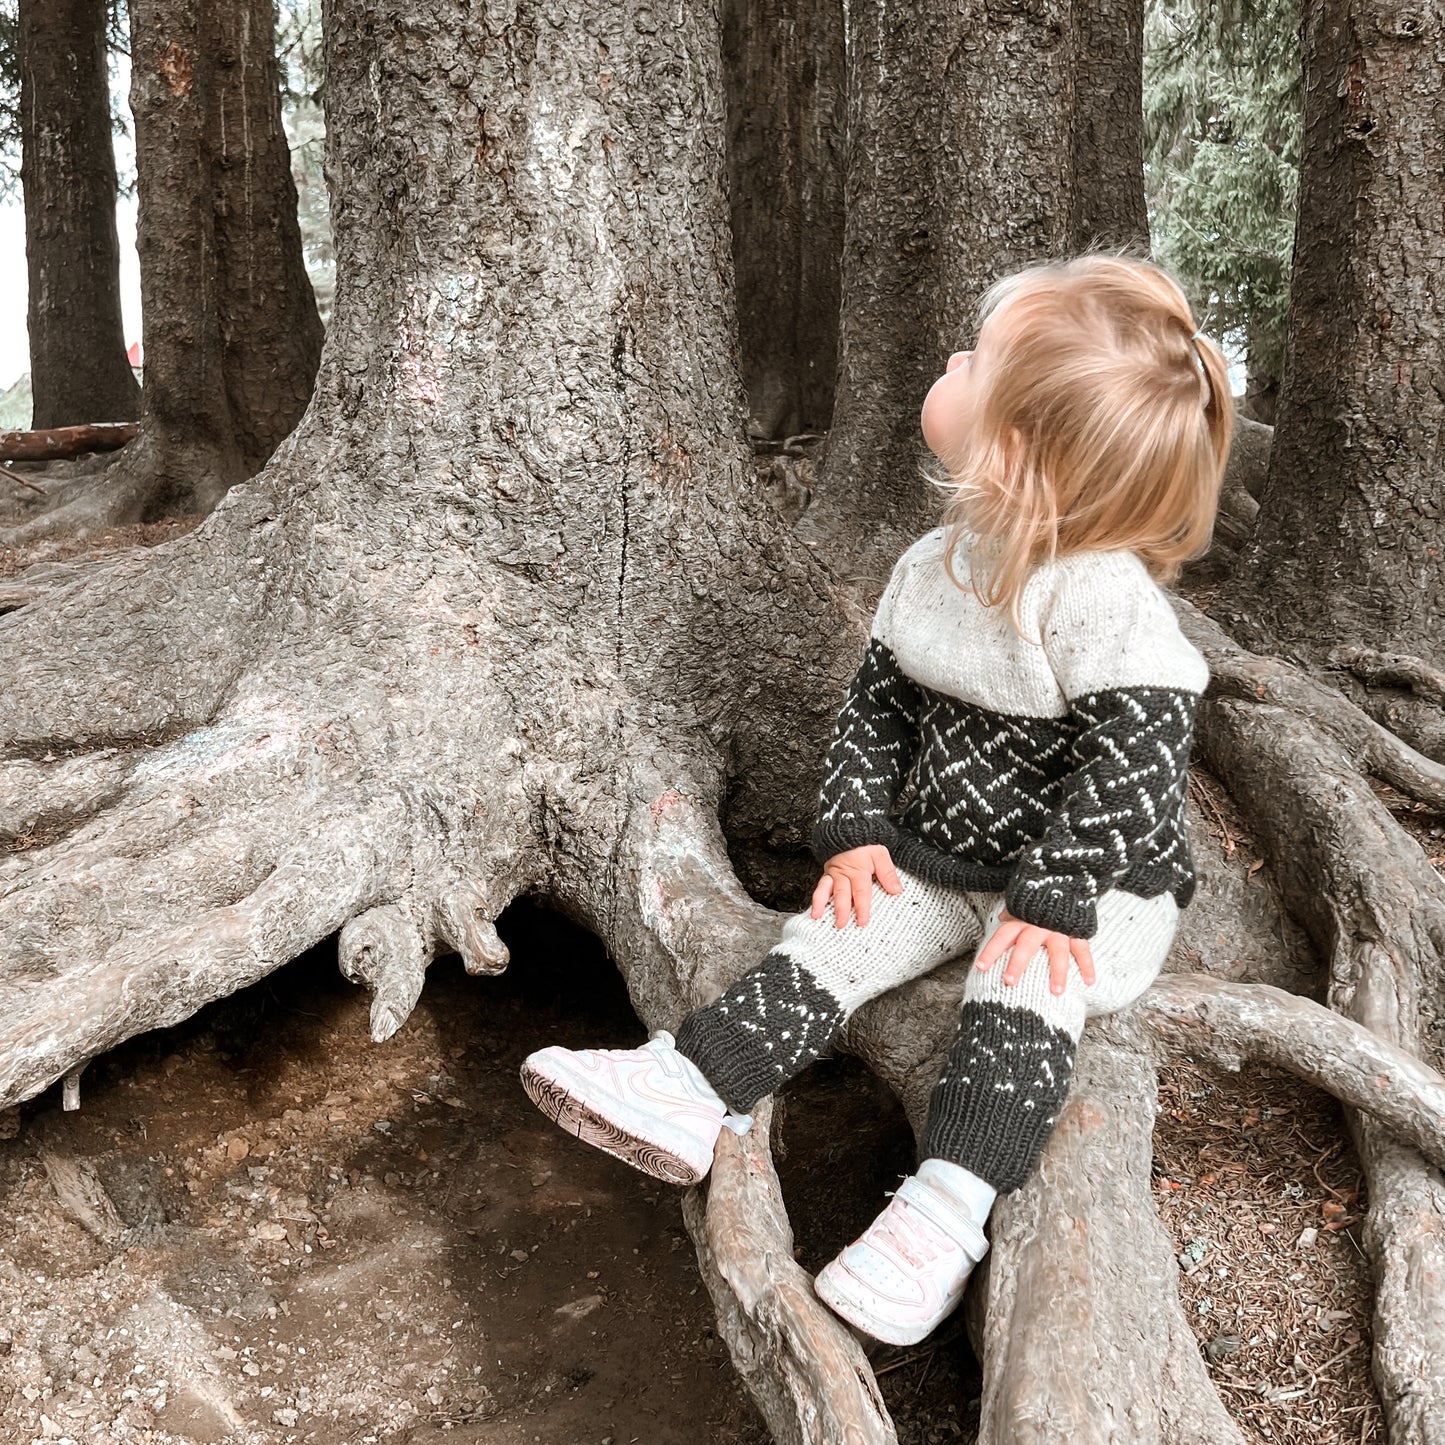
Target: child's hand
{"x": 1026, "y": 939}
{"x": 848, "y": 880}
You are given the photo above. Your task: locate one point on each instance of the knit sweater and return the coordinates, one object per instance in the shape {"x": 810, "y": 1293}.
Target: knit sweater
{"x": 985, "y": 761}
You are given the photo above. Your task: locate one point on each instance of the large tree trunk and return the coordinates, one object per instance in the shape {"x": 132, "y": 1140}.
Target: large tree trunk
{"x": 980, "y": 138}
{"x": 508, "y": 613}
{"x": 231, "y": 332}
{"x": 784, "y": 67}
{"x": 1356, "y": 463}
{"x": 78, "y": 367}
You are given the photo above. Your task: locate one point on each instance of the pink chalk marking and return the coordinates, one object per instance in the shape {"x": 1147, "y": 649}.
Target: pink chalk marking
{"x": 668, "y": 800}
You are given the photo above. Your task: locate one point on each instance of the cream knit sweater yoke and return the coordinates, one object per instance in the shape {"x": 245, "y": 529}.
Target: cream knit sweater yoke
{"x": 1050, "y": 769}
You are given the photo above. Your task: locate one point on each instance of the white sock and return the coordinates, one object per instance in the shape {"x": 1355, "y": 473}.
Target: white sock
{"x": 702, "y": 1085}
{"x": 975, "y": 1194}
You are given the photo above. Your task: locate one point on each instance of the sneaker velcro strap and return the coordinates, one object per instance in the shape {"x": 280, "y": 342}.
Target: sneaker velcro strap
{"x": 945, "y": 1214}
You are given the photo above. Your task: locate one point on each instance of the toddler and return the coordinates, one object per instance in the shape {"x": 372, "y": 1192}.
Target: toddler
{"x": 1007, "y": 775}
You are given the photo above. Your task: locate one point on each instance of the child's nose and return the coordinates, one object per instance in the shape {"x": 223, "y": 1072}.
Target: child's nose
{"x": 957, "y": 359}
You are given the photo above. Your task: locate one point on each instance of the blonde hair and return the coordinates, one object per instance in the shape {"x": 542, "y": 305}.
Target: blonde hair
{"x": 1101, "y": 422}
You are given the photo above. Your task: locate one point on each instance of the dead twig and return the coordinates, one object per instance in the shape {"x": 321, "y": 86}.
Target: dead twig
{"x": 24, "y": 481}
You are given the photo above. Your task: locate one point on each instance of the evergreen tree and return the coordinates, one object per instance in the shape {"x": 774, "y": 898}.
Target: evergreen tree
{"x": 1222, "y": 102}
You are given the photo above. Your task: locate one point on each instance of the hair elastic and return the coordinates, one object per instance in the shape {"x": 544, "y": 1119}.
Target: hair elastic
{"x": 1206, "y": 387}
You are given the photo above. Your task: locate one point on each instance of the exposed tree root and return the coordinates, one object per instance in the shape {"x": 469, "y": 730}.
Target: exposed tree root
{"x": 182, "y": 621}
{"x": 807, "y": 1372}
{"x": 1081, "y": 1328}
{"x": 1233, "y": 1024}
{"x": 35, "y": 796}
{"x": 1393, "y": 669}
{"x": 1257, "y": 678}
{"x": 120, "y": 981}
{"x": 146, "y": 481}
{"x": 1377, "y": 911}
{"x": 690, "y": 931}
{"x": 1082, "y": 1334}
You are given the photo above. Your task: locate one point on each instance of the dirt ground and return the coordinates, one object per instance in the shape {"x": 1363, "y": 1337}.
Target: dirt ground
{"x": 260, "y": 1228}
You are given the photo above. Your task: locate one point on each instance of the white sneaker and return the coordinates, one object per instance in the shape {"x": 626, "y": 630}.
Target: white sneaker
{"x": 651, "y": 1107}
{"x": 907, "y": 1273}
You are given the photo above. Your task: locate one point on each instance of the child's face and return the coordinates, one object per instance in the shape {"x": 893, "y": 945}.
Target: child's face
{"x": 948, "y": 407}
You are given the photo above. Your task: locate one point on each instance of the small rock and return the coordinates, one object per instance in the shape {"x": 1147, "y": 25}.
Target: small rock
{"x": 1307, "y": 1237}
{"x": 579, "y": 1308}
{"x": 286, "y": 1417}
{"x": 237, "y": 1147}
{"x": 520, "y": 1255}
{"x": 270, "y": 1230}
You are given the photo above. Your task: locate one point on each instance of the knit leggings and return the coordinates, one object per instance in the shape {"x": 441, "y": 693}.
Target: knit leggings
{"x": 1012, "y": 1056}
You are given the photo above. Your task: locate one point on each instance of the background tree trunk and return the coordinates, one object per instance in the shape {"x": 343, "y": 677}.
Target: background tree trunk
{"x": 232, "y": 336}
{"x": 785, "y": 73}
{"x": 231, "y": 333}
{"x": 1351, "y": 527}
{"x": 980, "y": 138}
{"x": 78, "y": 367}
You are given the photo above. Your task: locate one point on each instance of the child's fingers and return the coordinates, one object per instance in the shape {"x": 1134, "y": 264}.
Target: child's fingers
{"x": 821, "y": 894}
{"x": 863, "y": 900}
{"x": 887, "y": 873}
{"x": 1026, "y": 945}
{"x": 993, "y": 950}
{"x": 842, "y": 901}
{"x": 1059, "y": 960}
{"x": 1084, "y": 957}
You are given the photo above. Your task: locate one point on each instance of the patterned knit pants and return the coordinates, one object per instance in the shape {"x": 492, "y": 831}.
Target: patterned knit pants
{"x": 1008, "y": 1069}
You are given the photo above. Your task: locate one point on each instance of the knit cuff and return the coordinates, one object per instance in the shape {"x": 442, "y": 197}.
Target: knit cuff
{"x": 999, "y": 1098}
{"x": 770, "y": 1024}
{"x": 838, "y": 835}
{"x": 1049, "y": 906}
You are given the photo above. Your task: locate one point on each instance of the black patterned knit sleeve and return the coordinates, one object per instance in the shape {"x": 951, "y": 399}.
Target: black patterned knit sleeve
{"x": 1121, "y": 823}
{"x": 873, "y": 744}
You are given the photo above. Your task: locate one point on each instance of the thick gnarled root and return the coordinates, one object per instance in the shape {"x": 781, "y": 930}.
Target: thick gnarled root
{"x": 682, "y": 929}
{"x": 1079, "y": 1256}
{"x": 1376, "y": 910}
{"x": 802, "y": 1365}
{"x": 178, "y": 874}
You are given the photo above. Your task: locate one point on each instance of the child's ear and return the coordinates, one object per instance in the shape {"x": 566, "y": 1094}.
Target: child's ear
{"x": 1013, "y": 445}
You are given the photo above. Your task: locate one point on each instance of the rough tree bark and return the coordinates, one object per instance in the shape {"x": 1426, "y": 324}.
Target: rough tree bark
{"x": 78, "y": 367}
{"x": 508, "y": 613}
{"x": 979, "y": 138}
{"x": 783, "y": 62}
{"x": 1356, "y": 467}
{"x": 231, "y": 333}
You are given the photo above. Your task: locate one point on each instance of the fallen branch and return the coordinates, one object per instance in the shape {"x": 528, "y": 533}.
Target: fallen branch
{"x": 52, "y": 443}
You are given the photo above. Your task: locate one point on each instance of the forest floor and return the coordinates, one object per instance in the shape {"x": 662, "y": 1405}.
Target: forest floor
{"x": 261, "y": 1228}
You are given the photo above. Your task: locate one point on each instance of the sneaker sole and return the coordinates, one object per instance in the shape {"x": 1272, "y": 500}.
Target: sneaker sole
{"x": 577, "y": 1117}
{"x": 852, "y": 1312}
